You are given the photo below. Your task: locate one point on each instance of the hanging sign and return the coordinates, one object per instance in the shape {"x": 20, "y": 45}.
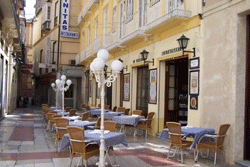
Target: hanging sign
{"x": 65, "y": 15}
{"x": 47, "y": 53}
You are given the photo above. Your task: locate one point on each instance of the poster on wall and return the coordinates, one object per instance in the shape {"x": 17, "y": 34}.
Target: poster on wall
{"x": 126, "y": 87}
{"x": 194, "y": 82}
{"x": 193, "y": 102}
{"x": 90, "y": 85}
{"x": 153, "y": 86}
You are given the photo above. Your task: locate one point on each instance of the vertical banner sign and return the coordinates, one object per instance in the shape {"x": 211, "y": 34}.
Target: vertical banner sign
{"x": 65, "y": 15}
{"x": 47, "y": 53}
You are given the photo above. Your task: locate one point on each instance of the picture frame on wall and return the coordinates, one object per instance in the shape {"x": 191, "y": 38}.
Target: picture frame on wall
{"x": 193, "y": 102}
{"x": 126, "y": 87}
{"x": 194, "y": 63}
{"x": 194, "y": 82}
{"x": 153, "y": 86}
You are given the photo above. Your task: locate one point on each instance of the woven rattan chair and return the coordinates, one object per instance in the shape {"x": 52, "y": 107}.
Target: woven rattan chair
{"x": 176, "y": 138}
{"x": 72, "y": 112}
{"x": 114, "y": 108}
{"x": 65, "y": 106}
{"x": 145, "y": 125}
{"x": 61, "y": 124}
{"x": 46, "y": 105}
{"x": 99, "y": 105}
{"x": 85, "y": 116}
{"x": 83, "y": 105}
{"x": 87, "y": 108}
{"x": 106, "y": 107}
{"x": 50, "y": 119}
{"x": 67, "y": 109}
{"x": 120, "y": 109}
{"x": 97, "y": 125}
{"x": 211, "y": 145}
{"x": 137, "y": 112}
{"x": 80, "y": 146}
{"x": 52, "y": 111}
{"x": 126, "y": 112}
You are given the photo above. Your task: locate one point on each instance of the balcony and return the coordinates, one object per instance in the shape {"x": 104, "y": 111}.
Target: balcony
{"x": 79, "y": 19}
{"x": 77, "y": 59}
{"x": 46, "y": 27}
{"x": 159, "y": 19}
{"x": 82, "y": 55}
{"x": 93, "y": 4}
{"x": 110, "y": 40}
{"x": 97, "y": 44}
{"x": 85, "y": 11}
{"x": 89, "y": 50}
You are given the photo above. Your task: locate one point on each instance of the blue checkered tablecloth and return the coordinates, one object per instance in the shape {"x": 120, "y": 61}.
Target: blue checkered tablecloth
{"x": 111, "y": 114}
{"x": 110, "y": 139}
{"x": 97, "y": 111}
{"x": 197, "y": 133}
{"x": 92, "y": 108}
{"x": 127, "y": 119}
{"x": 53, "y": 108}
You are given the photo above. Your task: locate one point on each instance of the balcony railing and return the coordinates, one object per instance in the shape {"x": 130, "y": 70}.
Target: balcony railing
{"x": 97, "y": 44}
{"x": 77, "y": 58}
{"x": 46, "y": 26}
{"x": 55, "y": 21}
{"x": 82, "y": 55}
{"x": 89, "y": 50}
{"x": 110, "y": 40}
{"x": 91, "y": 3}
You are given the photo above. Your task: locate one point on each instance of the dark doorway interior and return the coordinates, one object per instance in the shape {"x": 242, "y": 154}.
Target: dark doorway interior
{"x": 109, "y": 96}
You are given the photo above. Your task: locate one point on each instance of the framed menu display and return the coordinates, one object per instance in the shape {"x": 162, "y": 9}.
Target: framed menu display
{"x": 194, "y": 63}
{"x": 126, "y": 87}
{"x": 153, "y": 86}
{"x": 194, "y": 82}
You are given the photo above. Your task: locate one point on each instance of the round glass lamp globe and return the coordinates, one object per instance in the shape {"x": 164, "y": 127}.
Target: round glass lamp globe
{"x": 116, "y": 66}
{"x": 103, "y": 53}
{"x": 98, "y": 63}
{"x": 53, "y": 84}
{"x": 92, "y": 67}
{"x": 58, "y": 82}
{"x": 63, "y": 77}
{"x": 69, "y": 82}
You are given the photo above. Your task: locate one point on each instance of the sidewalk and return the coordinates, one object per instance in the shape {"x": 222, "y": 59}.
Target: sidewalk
{"x": 25, "y": 143}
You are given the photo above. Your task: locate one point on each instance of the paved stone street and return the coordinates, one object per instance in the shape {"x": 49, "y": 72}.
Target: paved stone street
{"x": 24, "y": 142}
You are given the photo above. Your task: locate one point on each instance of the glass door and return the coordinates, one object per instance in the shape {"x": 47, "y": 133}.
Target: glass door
{"x": 142, "y": 13}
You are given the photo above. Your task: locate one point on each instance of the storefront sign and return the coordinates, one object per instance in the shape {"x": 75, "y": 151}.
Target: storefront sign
{"x": 171, "y": 51}
{"x": 69, "y": 34}
{"x": 47, "y": 53}
{"x": 65, "y": 15}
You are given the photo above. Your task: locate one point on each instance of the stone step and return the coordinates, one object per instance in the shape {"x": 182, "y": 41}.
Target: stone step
{"x": 243, "y": 163}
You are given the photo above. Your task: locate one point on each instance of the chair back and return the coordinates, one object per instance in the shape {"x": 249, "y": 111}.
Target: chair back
{"x": 46, "y": 105}
{"x": 65, "y": 106}
{"x": 106, "y": 107}
{"x": 87, "y": 108}
{"x": 126, "y": 112}
{"x": 68, "y": 109}
{"x": 175, "y": 133}
{"x": 98, "y": 123}
{"x": 77, "y": 138}
{"x": 150, "y": 119}
{"x": 83, "y": 105}
{"x": 114, "y": 108}
{"x": 72, "y": 112}
{"x": 137, "y": 112}
{"x": 61, "y": 124}
{"x": 121, "y": 109}
{"x": 222, "y": 134}
{"x": 52, "y": 111}
{"x": 110, "y": 125}
{"x": 85, "y": 116}
{"x": 50, "y": 117}
{"x": 56, "y": 116}
{"x": 99, "y": 105}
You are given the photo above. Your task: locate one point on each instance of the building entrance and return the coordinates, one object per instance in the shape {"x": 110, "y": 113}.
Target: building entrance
{"x": 176, "y": 91}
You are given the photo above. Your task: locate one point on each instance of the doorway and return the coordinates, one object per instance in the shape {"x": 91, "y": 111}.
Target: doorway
{"x": 176, "y": 91}
{"x": 109, "y": 96}
{"x": 247, "y": 96}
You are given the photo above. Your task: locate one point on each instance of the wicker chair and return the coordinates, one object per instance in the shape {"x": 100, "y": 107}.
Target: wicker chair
{"x": 52, "y": 111}
{"x": 85, "y": 116}
{"x": 114, "y": 108}
{"x": 120, "y": 109}
{"x": 61, "y": 124}
{"x": 83, "y": 105}
{"x": 67, "y": 109}
{"x": 176, "y": 138}
{"x": 147, "y": 125}
{"x": 213, "y": 146}
{"x": 50, "y": 119}
{"x": 137, "y": 112}
{"x": 65, "y": 106}
{"x": 106, "y": 107}
{"x": 126, "y": 112}
{"x": 87, "y": 108}
{"x": 79, "y": 146}
{"x": 99, "y": 105}
{"x": 46, "y": 105}
{"x": 97, "y": 125}
{"x": 72, "y": 112}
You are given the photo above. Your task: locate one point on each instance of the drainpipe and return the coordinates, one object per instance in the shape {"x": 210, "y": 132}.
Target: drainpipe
{"x": 59, "y": 32}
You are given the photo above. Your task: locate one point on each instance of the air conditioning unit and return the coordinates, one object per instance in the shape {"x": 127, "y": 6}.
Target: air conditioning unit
{"x": 72, "y": 62}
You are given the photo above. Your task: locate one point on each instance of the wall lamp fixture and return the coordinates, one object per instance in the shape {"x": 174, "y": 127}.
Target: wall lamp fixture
{"x": 183, "y": 42}
{"x": 122, "y": 62}
{"x": 86, "y": 73}
{"x": 144, "y": 55}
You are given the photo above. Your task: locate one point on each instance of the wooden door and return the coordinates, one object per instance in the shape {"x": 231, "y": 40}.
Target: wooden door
{"x": 142, "y": 90}
{"x": 247, "y": 98}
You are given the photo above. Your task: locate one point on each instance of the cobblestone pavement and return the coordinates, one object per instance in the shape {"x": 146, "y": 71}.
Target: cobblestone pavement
{"x": 25, "y": 143}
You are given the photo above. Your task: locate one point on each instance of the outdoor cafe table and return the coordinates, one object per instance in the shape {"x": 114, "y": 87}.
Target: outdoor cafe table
{"x": 97, "y": 111}
{"x": 111, "y": 114}
{"x": 197, "y": 133}
{"x": 127, "y": 120}
{"x": 78, "y": 123}
{"x": 110, "y": 138}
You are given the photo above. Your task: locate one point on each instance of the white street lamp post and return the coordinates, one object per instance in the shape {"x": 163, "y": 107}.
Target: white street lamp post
{"x": 56, "y": 90}
{"x": 97, "y": 67}
{"x": 60, "y": 85}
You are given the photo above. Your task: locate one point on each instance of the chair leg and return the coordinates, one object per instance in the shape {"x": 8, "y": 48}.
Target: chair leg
{"x": 215, "y": 155}
{"x": 56, "y": 144}
{"x": 182, "y": 157}
{"x": 146, "y": 135}
{"x": 70, "y": 162}
{"x": 135, "y": 132}
{"x": 85, "y": 163}
{"x": 197, "y": 154}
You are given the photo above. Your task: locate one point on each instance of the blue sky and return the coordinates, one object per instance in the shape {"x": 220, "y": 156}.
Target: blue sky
{"x": 29, "y": 9}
